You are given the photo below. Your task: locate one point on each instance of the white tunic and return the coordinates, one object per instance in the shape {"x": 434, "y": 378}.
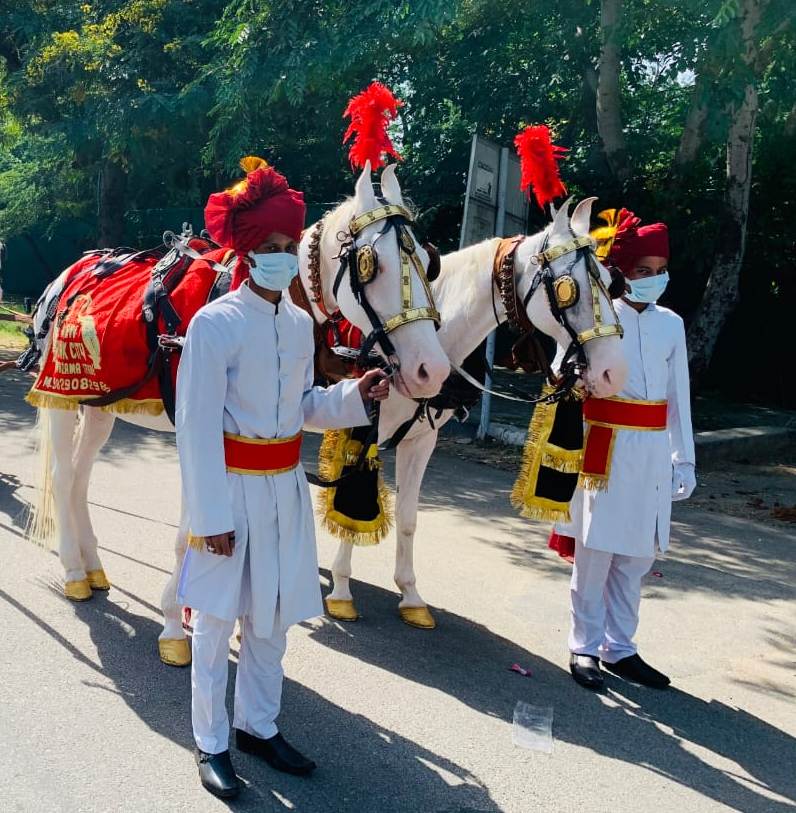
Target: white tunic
{"x": 635, "y": 510}
{"x": 247, "y": 368}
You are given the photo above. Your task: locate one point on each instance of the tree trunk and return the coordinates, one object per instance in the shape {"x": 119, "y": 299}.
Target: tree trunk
{"x": 721, "y": 294}
{"x": 609, "y": 102}
{"x": 694, "y": 130}
{"x": 112, "y": 204}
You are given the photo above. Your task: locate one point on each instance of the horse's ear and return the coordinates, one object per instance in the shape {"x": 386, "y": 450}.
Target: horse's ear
{"x": 390, "y": 188}
{"x": 581, "y": 217}
{"x": 561, "y": 222}
{"x": 363, "y": 190}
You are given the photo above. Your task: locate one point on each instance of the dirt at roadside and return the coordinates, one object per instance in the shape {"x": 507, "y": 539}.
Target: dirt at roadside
{"x": 762, "y": 492}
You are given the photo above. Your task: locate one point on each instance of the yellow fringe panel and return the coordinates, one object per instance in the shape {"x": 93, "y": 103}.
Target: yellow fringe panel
{"x": 337, "y": 450}
{"x": 522, "y": 495}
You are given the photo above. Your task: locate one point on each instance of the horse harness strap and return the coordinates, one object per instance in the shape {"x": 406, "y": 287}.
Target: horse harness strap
{"x": 362, "y": 263}
{"x": 506, "y": 282}
{"x": 379, "y": 213}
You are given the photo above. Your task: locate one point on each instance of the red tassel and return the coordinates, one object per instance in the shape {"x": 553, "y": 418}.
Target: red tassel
{"x": 539, "y": 159}
{"x": 371, "y": 112}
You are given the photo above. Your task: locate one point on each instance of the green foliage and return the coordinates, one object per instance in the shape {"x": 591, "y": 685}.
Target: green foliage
{"x": 176, "y": 91}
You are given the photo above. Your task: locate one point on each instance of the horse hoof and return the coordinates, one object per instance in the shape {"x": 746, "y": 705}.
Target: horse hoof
{"x": 342, "y": 609}
{"x": 78, "y": 590}
{"x": 174, "y": 651}
{"x": 418, "y": 617}
{"x": 98, "y": 580}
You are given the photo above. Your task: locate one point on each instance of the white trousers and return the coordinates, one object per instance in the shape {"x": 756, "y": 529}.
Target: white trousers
{"x": 605, "y": 593}
{"x": 258, "y": 687}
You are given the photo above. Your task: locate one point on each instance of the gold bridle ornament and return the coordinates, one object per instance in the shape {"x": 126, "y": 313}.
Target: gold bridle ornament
{"x": 367, "y": 265}
{"x": 566, "y": 286}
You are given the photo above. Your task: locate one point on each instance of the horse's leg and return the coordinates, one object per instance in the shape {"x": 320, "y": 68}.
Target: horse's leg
{"x": 173, "y": 646}
{"x": 411, "y": 459}
{"x": 61, "y": 442}
{"x": 95, "y": 430}
{"x": 340, "y": 603}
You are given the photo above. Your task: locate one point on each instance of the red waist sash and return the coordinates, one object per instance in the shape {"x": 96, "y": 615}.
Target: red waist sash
{"x": 604, "y": 416}
{"x": 261, "y": 456}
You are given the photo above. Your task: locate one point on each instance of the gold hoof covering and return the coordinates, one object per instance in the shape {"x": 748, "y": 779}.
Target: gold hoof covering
{"x": 78, "y": 590}
{"x": 342, "y": 609}
{"x": 98, "y": 580}
{"x": 175, "y": 651}
{"x": 419, "y": 617}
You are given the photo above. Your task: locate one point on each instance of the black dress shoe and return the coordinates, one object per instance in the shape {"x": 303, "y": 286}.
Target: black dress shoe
{"x": 276, "y": 751}
{"x": 217, "y": 774}
{"x": 634, "y": 669}
{"x": 586, "y": 671}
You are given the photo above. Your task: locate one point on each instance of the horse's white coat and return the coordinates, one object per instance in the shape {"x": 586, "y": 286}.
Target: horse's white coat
{"x": 464, "y": 296}
{"x": 74, "y": 439}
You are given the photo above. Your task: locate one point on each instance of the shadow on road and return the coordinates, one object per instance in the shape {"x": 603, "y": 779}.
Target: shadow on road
{"x": 470, "y": 663}
{"x": 361, "y": 763}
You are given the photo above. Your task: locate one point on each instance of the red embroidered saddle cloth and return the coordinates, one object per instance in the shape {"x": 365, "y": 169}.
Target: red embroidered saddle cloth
{"x": 100, "y": 342}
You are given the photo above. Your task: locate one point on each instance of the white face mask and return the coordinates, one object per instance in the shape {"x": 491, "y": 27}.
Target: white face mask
{"x": 274, "y": 271}
{"x": 647, "y": 289}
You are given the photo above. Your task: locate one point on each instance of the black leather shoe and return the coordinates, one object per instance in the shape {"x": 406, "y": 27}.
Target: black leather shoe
{"x": 276, "y": 751}
{"x": 217, "y": 774}
{"x": 634, "y": 669}
{"x": 586, "y": 671}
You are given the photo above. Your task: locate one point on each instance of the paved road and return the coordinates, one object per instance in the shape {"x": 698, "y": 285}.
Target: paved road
{"x": 399, "y": 719}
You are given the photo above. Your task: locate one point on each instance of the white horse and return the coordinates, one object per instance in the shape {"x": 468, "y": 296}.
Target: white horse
{"x": 68, "y": 455}
{"x": 464, "y": 294}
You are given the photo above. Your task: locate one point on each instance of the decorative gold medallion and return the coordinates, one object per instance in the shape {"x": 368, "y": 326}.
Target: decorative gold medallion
{"x": 566, "y": 290}
{"x": 366, "y": 264}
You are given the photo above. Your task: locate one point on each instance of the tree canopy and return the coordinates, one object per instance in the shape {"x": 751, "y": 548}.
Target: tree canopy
{"x": 118, "y": 105}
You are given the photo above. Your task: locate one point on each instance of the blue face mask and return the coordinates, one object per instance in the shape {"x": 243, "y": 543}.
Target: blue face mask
{"x": 647, "y": 289}
{"x": 273, "y": 271}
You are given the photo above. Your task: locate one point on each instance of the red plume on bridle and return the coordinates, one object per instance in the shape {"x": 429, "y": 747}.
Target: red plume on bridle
{"x": 371, "y": 113}
{"x": 539, "y": 159}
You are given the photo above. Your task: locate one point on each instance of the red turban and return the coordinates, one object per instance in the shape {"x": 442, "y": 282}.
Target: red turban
{"x": 262, "y": 203}
{"x": 632, "y": 241}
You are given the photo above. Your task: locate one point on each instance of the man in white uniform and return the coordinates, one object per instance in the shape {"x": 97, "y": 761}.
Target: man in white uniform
{"x": 648, "y": 461}
{"x": 244, "y": 392}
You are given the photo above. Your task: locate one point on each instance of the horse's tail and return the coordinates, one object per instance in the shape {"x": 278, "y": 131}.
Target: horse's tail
{"x": 41, "y": 520}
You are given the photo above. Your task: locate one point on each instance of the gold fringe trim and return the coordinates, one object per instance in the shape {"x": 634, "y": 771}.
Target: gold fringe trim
{"x": 336, "y": 449}
{"x": 127, "y": 406}
{"x": 522, "y": 495}
{"x": 546, "y": 511}
{"x": 196, "y": 542}
{"x": 567, "y": 461}
{"x": 44, "y": 400}
{"x": 593, "y": 482}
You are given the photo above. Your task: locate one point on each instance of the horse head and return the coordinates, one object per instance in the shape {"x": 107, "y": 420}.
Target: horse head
{"x": 374, "y": 272}
{"x": 565, "y": 290}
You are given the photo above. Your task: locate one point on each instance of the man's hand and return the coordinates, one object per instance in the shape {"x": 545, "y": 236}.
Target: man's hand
{"x": 683, "y": 481}
{"x": 221, "y": 544}
{"x": 374, "y": 386}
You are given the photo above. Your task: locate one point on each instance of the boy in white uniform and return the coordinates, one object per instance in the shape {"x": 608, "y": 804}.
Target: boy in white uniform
{"x": 617, "y": 528}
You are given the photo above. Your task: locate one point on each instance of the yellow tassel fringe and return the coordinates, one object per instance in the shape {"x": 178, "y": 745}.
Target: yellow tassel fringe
{"x": 522, "y": 495}
{"x": 127, "y": 406}
{"x": 592, "y": 482}
{"x": 338, "y": 448}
